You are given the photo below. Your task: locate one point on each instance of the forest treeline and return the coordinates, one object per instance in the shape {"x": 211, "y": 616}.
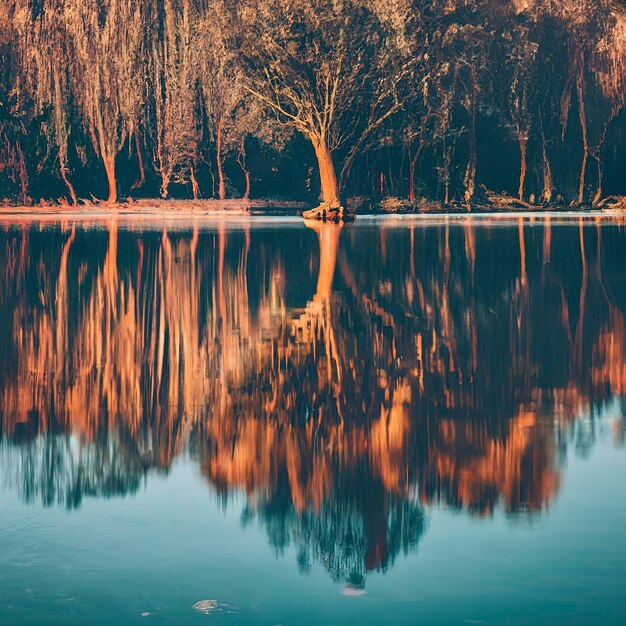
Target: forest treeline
{"x": 418, "y": 99}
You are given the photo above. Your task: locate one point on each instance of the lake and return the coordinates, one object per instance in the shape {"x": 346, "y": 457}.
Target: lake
{"x": 262, "y": 421}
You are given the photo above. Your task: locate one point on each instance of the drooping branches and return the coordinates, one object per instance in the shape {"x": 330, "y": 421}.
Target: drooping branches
{"x": 173, "y": 68}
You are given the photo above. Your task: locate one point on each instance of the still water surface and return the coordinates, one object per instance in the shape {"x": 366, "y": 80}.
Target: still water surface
{"x": 257, "y": 422}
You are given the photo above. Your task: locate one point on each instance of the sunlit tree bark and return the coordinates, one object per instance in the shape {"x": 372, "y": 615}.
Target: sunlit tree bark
{"x": 308, "y": 63}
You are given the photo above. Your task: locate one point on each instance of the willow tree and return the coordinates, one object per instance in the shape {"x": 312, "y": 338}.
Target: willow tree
{"x": 173, "y": 72}
{"x": 220, "y": 83}
{"x": 42, "y": 85}
{"x": 13, "y": 171}
{"x": 329, "y": 68}
{"x": 103, "y": 44}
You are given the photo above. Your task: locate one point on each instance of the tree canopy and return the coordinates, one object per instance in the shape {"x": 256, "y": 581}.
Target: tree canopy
{"x": 435, "y": 100}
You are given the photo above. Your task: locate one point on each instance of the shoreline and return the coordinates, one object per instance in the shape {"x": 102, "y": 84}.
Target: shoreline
{"x": 202, "y": 211}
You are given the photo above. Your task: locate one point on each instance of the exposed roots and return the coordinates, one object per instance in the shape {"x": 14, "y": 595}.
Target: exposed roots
{"x": 332, "y": 211}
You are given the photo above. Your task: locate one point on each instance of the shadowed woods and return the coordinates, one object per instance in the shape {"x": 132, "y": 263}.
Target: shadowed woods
{"x": 344, "y": 399}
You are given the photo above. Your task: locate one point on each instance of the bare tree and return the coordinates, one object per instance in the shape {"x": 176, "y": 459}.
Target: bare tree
{"x": 220, "y": 82}
{"x": 13, "y": 170}
{"x": 521, "y": 58}
{"x": 329, "y": 68}
{"x": 103, "y": 47}
{"x": 173, "y": 70}
{"x": 44, "y": 74}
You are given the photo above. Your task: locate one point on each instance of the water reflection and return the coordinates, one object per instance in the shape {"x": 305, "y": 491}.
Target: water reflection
{"x": 343, "y": 379}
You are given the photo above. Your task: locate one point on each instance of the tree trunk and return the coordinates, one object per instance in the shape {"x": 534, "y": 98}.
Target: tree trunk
{"x": 596, "y": 153}
{"x": 547, "y": 170}
{"x": 107, "y": 154}
{"x": 142, "y": 170}
{"x": 328, "y": 176}
{"x": 412, "y": 166}
{"x": 61, "y": 133}
{"x": 165, "y": 184}
{"x": 447, "y": 159}
{"x": 242, "y": 163}
{"x": 470, "y": 173}
{"x": 523, "y": 147}
{"x": 390, "y": 184}
{"x": 598, "y": 195}
{"x": 220, "y": 166}
{"x": 246, "y": 195}
{"x": 66, "y": 180}
{"x": 109, "y": 166}
{"x": 195, "y": 188}
{"x": 580, "y": 88}
{"x": 23, "y": 175}
{"x": 547, "y": 174}
{"x": 470, "y": 181}
{"x": 412, "y": 180}
{"x": 581, "y": 184}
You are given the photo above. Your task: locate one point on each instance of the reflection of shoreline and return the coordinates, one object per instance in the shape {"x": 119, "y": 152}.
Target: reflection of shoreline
{"x": 423, "y": 370}
{"x": 150, "y": 207}
{"x": 211, "y": 210}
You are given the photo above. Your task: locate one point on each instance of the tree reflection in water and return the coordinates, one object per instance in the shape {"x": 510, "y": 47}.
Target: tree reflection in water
{"x": 342, "y": 379}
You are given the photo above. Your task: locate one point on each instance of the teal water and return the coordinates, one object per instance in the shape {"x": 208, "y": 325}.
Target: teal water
{"x": 390, "y": 423}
